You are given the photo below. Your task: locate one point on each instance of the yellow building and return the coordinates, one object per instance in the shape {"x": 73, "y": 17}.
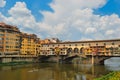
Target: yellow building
{"x": 29, "y": 44}
{"x": 9, "y": 39}
{"x": 38, "y": 47}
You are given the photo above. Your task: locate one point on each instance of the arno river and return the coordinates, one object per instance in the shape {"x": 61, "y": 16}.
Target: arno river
{"x": 55, "y": 71}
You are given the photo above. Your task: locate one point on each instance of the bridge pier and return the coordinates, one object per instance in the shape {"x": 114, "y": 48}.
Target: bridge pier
{"x": 98, "y": 59}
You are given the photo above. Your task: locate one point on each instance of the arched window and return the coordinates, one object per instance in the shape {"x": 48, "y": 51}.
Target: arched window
{"x": 69, "y": 50}
{"x": 76, "y": 50}
{"x": 81, "y": 50}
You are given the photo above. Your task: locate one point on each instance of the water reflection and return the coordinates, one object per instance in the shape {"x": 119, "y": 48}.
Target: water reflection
{"x": 52, "y": 72}
{"x": 113, "y": 64}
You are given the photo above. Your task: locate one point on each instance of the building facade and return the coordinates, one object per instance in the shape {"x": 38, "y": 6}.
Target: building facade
{"x": 13, "y": 42}
{"x": 29, "y": 44}
{"x": 9, "y": 39}
{"x": 96, "y": 47}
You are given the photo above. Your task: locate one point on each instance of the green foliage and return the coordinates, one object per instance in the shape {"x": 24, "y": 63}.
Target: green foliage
{"x": 110, "y": 76}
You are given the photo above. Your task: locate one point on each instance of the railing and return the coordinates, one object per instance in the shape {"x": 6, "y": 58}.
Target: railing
{"x": 83, "y": 54}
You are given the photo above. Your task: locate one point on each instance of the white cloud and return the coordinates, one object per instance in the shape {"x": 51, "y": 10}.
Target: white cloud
{"x": 72, "y": 21}
{"x": 109, "y": 32}
{"x": 90, "y": 30}
{"x": 20, "y": 16}
{"x": 2, "y": 3}
{"x": 19, "y": 10}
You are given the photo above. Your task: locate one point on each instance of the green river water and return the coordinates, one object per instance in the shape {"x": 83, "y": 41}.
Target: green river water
{"x": 55, "y": 71}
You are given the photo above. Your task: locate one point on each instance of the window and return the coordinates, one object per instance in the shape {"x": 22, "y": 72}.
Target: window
{"x": 104, "y": 44}
{"x": 0, "y": 38}
{"x": 82, "y": 44}
{"x": 96, "y": 44}
{"x": 7, "y": 46}
{"x": 7, "y": 42}
{"x": 89, "y": 44}
{"x": 1, "y": 30}
{"x": 1, "y": 34}
{"x": 113, "y": 43}
{"x": 53, "y": 45}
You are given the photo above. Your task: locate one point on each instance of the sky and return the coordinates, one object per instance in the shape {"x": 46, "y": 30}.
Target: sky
{"x": 68, "y": 20}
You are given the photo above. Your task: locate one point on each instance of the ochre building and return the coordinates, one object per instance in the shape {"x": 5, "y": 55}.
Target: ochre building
{"x": 9, "y": 39}
{"x": 14, "y": 42}
{"x": 30, "y": 44}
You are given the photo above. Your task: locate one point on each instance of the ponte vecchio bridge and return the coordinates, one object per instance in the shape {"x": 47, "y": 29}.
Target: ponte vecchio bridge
{"x": 97, "y": 49}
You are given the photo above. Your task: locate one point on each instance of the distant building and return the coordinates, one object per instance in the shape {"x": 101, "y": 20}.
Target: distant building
{"x": 55, "y": 40}
{"x": 9, "y": 39}
{"x": 45, "y": 41}
{"x": 48, "y": 41}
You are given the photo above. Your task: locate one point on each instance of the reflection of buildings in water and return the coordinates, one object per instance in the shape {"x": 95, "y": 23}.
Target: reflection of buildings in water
{"x": 113, "y": 64}
{"x": 55, "y": 72}
{"x": 94, "y": 71}
{"x": 72, "y": 73}
{"x": 80, "y": 77}
{"x": 4, "y": 68}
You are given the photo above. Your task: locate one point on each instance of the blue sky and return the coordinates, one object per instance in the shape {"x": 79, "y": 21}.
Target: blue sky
{"x": 112, "y": 6}
{"x": 65, "y": 19}
{"x": 33, "y": 5}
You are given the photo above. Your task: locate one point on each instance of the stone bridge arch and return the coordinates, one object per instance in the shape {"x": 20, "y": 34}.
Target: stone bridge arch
{"x": 99, "y": 59}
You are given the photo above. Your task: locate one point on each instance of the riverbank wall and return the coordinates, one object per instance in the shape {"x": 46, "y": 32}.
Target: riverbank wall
{"x": 16, "y": 59}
